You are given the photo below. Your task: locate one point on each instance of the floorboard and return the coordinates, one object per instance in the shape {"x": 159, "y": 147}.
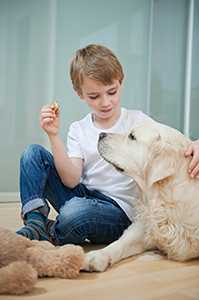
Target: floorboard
{"x": 146, "y": 277}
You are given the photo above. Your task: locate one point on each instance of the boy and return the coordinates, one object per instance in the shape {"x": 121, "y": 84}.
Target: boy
{"x": 94, "y": 202}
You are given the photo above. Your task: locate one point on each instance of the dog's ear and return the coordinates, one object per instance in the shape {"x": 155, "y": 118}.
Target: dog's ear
{"x": 162, "y": 165}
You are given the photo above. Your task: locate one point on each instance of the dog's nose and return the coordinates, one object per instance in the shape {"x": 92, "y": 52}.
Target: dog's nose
{"x": 102, "y": 135}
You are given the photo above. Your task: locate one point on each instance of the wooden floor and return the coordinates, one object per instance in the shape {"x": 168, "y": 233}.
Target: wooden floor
{"x": 141, "y": 278}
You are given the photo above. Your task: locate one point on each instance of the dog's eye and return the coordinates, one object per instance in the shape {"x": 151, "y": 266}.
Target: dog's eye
{"x": 132, "y": 136}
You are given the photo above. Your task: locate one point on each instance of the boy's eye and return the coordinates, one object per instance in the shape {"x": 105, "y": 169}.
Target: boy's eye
{"x": 93, "y": 97}
{"x": 112, "y": 93}
{"x": 109, "y": 93}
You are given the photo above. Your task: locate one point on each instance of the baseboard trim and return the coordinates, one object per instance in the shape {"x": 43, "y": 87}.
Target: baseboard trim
{"x": 9, "y": 197}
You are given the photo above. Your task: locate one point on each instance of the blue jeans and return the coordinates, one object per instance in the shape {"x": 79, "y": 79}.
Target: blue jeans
{"x": 82, "y": 214}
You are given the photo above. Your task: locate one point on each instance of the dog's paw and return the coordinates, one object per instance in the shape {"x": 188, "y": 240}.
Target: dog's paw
{"x": 96, "y": 261}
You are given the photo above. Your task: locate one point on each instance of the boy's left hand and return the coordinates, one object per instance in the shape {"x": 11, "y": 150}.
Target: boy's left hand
{"x": 193, "y": 150}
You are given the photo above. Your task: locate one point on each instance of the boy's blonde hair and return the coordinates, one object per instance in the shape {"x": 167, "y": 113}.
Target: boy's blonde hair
{"x": 96, "y": 62}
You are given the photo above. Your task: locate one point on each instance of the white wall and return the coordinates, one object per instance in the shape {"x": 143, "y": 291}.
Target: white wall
{"x": 38, "y": 39}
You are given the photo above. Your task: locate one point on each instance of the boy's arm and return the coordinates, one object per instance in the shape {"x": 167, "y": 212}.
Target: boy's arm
{"x": 69, "y": 169}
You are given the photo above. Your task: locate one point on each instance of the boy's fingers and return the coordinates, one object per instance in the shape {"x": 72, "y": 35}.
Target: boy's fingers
{"x": 189, "y": 150}
{"x": 46, "y": 121}
{"x": 195, "y": 172}
{"x": 46, "y": 109}
{"x": 193, "y": 165}
{"x": 47, "y": 114}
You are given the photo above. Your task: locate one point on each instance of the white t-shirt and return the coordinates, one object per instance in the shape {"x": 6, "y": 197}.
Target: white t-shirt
{"x": 97, "y": 173}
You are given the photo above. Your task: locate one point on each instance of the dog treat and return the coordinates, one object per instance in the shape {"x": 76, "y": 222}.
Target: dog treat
{"x": 55, "y": 106}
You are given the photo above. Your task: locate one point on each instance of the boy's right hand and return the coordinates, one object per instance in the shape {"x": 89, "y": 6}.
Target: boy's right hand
{"x": 49, "y": 120}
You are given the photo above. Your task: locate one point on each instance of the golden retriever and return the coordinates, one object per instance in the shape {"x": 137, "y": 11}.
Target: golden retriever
{"x": 167, "y": 215}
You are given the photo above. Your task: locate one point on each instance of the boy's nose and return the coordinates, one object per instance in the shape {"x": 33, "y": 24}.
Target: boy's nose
{"x": 102, "y": 135}
{"x": 105, "y": 101}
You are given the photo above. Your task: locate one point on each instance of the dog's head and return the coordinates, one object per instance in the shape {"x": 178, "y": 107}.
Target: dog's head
{"x": 147, "y": 153}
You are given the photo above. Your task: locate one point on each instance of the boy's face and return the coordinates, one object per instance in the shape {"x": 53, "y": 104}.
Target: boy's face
{"x": 104, "y": 100}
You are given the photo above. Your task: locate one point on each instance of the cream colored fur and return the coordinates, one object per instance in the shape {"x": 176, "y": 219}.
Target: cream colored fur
{"x": 167, "y": 213}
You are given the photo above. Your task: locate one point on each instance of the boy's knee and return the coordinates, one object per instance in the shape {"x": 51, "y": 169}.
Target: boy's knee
{"x": 31, "y": 152}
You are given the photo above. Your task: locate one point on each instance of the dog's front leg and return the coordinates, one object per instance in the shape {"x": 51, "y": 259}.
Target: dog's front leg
{"x": 130, "y": 243}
